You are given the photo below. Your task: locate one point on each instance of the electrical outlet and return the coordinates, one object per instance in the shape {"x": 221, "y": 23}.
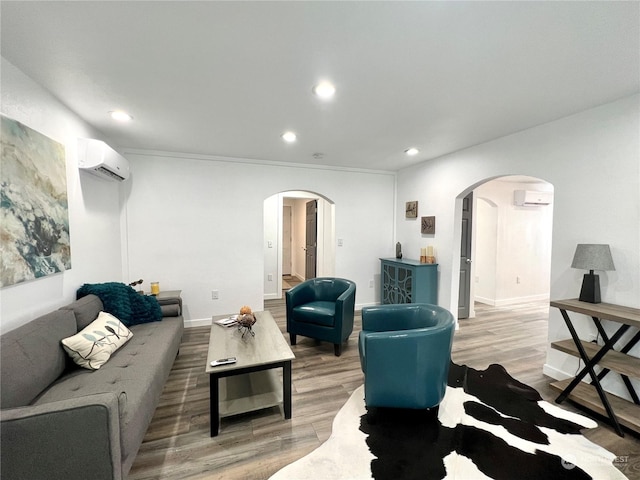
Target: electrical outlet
{"x": 214, "y": 294}
{"x": 518, "y": 280}
{"x": 270, "y": 277}
{"x": 370, "y": 283}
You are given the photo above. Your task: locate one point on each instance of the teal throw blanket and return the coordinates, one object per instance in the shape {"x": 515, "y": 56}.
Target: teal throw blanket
{"x": 123, "y": 302}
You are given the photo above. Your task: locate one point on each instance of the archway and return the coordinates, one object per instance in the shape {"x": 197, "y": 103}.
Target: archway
{"x": 275, "y": 245}
{"x": 511, "y": 244}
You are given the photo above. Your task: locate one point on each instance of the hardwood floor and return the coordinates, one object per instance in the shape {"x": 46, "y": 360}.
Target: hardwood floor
{"x": 256, "y": 445}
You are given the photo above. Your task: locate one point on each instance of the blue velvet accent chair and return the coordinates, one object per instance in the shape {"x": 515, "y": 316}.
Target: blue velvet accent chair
{"x": 322, "y": 308}
{"x": 405, "y": 352}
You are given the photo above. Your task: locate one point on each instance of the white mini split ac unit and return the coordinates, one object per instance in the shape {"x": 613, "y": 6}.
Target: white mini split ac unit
{"x": 528, "y": 198}
{"x": 98, "y": 158}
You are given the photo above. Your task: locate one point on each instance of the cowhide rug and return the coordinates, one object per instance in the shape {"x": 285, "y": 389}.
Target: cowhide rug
{"x": 489, "y": 425}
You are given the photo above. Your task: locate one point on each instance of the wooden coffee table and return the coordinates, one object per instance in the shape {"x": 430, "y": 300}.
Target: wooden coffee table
{"x": 250, "y": 383}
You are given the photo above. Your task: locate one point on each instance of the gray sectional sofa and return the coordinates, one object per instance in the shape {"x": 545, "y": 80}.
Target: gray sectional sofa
{"x": 60, "y": 421}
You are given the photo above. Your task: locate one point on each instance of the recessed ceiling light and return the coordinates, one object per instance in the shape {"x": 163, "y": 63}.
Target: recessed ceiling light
{"x": 289, "y": 137}
{"x": 411, "y": 151}
{"x": 120, "y": 116}
{"x": 324, "y": 90}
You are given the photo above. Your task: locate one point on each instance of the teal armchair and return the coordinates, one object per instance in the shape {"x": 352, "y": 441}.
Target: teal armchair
{"x": 321, "y": 308}
{"x": 405, "y": 352}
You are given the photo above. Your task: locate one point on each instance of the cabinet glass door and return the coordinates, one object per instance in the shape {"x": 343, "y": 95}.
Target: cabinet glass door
{"x": 404, "y": 285}
{"x": 388, "y": 284}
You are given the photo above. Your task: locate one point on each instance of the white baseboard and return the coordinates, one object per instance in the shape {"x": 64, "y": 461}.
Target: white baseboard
{"x": 486, "y": 301}
{"x": 554, "y": 373}
{"x": 513, "y": 300}
{"x": 198, "y": 322}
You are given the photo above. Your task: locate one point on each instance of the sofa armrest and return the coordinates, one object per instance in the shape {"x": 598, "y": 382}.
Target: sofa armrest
{"x": 171, "y": 306}
{"x": 345, "y": 306}
{"x": 72, "y": 439}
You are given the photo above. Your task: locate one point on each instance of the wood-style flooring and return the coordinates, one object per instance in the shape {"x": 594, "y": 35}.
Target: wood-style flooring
{"x": 256, "y": 445}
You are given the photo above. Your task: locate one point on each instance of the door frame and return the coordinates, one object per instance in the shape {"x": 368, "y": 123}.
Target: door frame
{"x": 272, "y": 231}
{"x": 457, "y": 234}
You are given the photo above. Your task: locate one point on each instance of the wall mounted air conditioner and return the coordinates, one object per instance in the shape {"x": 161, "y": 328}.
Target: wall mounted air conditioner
{"x": 98, "y": 158}
{"x": 528, "y": 198}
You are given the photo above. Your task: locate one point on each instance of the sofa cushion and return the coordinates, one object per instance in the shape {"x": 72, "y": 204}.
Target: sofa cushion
{"x": 85, "y": 309}
{"x": 319, "y": 313}
{"x": 32, "y": 357}
{"x": 92, "y": 346}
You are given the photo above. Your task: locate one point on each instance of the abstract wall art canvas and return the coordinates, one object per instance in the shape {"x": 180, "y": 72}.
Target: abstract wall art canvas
{"x": 34, "y": 212}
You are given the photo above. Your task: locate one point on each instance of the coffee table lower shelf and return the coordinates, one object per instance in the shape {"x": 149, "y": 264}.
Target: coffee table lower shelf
{"x": 628, "y": 413}
{"x": 250, "y": 392}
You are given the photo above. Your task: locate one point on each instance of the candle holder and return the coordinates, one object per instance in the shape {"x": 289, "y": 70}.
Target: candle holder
{"x": 427, "y": 255}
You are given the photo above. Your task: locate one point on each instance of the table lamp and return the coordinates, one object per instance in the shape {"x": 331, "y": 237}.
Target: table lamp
{"x": 592, "y": 257}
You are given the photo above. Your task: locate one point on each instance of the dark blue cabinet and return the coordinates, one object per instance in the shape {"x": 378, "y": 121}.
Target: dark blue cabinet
{"x": 408, "y": 281}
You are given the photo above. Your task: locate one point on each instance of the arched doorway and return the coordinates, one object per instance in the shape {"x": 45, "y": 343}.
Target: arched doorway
{"x": 285, "y": 236}
{"x": 510, "y": 259}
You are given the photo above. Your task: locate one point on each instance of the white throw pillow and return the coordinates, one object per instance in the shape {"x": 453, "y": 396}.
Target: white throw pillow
{"x": 93, "y": 346}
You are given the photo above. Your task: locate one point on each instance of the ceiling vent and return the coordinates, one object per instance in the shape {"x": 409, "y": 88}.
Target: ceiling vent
{"x": 528, "y": 198}
{"x": 98, "y": 158}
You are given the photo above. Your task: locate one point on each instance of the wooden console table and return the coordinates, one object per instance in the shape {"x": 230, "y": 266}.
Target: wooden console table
{"x": 592, "y": 395}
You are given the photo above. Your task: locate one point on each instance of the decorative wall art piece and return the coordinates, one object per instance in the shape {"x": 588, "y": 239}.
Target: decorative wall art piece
{"x": 34, "y": 213}
{"x": 411, "y": 210}
{"x": 428, "y": 225}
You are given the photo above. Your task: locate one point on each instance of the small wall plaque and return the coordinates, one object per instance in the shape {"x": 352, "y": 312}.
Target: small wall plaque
{"x": 428, "y": 225}
{"x": 411, "y": 210}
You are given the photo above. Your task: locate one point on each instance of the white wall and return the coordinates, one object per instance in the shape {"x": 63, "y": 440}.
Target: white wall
{"x": 272, "y": 221}
{"x": 195, "y": 223}
{"x": 94, "y": 206}
{"x": 592, "y": 160}
{"x": 513, "y": 244}
{"x": 485, "y": 254}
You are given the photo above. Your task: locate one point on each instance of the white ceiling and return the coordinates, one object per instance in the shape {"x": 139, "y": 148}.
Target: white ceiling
{"x": 227, "y": 78}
